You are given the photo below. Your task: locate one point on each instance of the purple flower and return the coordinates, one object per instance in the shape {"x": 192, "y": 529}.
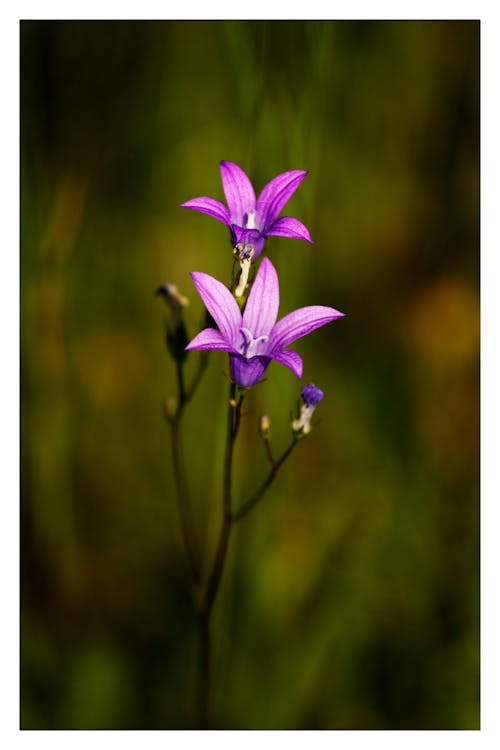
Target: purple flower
{"x": 251, "y": 220}
{"x": 255, "y": 338}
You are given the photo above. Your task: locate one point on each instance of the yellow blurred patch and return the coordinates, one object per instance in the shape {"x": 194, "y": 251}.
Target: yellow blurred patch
{"x": 109, "y": 367}
{"x": 65, "y": 217}
{"x": 444, "y": 324}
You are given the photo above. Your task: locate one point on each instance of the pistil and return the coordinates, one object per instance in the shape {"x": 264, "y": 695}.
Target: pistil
{"x": 250, "y": 344}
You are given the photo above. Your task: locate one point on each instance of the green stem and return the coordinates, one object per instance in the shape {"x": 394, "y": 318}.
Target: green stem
{"x": 269, "y": 452}
{"x": 180, "y": 384}
{"x": 233, "y": 423}
{"x": 247, "y": 507}
{"x": 205, "y": 613}
{"x": 202, "y": 365}
{"x": 204, "y": 659}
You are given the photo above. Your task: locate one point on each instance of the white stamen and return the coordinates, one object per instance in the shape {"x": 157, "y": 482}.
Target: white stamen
{"x": 250, "y": 345}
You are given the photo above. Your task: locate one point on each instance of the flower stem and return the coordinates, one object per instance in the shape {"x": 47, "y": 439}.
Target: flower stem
{"x": 234, "y": 417}
{"x": 204, "y": 669}
{"x": 202, "y": 366}
{"x": 228, "y": 519}
{"x": 207, "y": 604}
{"x": 269, "y": 453}
{"x": 180, "y": 384}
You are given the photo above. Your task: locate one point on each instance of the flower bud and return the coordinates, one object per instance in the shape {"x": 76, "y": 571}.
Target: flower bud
{"x": 173, "y": 298}
{"x": 265, "y": 427}
{"x": 311, "y": 396}
{"x": 176, "y": 334}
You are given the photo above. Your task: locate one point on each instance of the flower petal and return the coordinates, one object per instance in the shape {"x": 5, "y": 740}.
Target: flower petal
{"x": 299, "y": 323}
{"x": 287, "y": 226}
{"x": 290, "y": 359}
{"x": 240, "y": 196}
{"x": 261, "y": 309}
{"x": 274, "y": 196}
{"x": 209, "y": 338}
{"x": 220, "y": 303}
{"x": 209, "y": 206}
{"x": 247, "y": 372}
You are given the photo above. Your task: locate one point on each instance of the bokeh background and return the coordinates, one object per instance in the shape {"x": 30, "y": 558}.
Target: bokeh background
{"x": 351, "y": 595}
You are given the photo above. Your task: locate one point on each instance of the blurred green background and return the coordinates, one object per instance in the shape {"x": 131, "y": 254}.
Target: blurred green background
{"x": 351, "y": 596}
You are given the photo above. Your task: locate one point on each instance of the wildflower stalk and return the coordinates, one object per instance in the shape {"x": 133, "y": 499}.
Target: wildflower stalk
{"x": 227, "y": 522}
{"x": 212, "y": 588}
{"x": 204, "y": 671}
{"x": 180, "y": 383}
{"x": 234, "y": 418}
{"x": 269, "y": 453}
{"x": 202, "y": 366}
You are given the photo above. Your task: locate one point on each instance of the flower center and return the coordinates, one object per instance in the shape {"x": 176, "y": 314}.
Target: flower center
{"x": 250, "y": 345}
{"x": 243, "y": 251}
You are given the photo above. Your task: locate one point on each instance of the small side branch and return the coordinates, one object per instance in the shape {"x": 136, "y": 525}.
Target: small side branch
{"x": 202, "y": 366}
{"x": 276, "y": 465}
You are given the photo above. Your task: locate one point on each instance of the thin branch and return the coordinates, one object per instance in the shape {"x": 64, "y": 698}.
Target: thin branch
{"x": 259, "y": 494}
{"x": 269, "y": 453}
{"x": 202, "y": 366}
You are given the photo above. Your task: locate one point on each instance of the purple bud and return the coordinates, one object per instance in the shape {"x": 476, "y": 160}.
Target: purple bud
{"x": 311, "y": 395}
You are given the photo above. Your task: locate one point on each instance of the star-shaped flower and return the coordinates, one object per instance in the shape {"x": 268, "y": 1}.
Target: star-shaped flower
{"x": 252, "y": 220}
{"x": 255, "y": 338}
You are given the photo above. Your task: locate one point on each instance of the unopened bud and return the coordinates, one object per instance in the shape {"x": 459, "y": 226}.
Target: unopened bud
{"x": 176, "y": 334}
{"x": 265, "y": 427}
{"x": 311, "y": 396}
{"x": 173, "y": 298}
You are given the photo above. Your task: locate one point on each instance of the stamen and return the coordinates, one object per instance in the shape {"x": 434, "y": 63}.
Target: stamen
{"x": 250, "y": 344}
